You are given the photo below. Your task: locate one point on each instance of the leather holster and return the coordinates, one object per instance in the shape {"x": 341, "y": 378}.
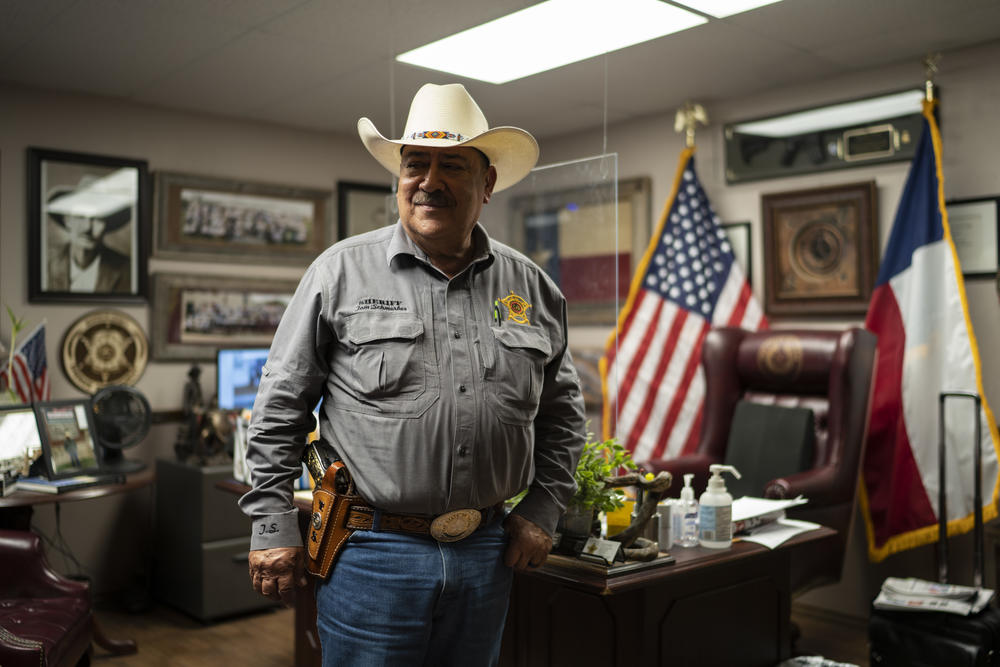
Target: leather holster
{"x": 328, "y": 531}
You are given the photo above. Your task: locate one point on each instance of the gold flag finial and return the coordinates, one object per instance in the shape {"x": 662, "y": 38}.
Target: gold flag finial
{"x": 931, "y": 61}
{"x": 687, "y": 118}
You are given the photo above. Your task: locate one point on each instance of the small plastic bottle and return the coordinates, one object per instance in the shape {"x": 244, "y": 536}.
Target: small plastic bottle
{"x": 715, "y": 516}
{"x": 688, "y": 508}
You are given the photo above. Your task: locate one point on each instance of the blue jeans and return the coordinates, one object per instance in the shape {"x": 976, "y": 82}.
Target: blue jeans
{"x": 397, "y": 599}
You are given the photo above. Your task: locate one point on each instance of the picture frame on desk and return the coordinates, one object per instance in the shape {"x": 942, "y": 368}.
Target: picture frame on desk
{"x": 69, "y": 440}
{"x": 975, "y": 230}
{"x": 820, "y": 250}
{"x": 86, "y": 208}
{"x": 228, "y": 220}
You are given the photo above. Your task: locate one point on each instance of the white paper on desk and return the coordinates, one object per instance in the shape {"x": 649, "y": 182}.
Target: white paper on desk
{"x": 748, "y": 507}
{"x": 782, "y": 530}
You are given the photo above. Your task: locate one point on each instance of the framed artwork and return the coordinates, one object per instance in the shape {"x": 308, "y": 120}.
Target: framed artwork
{"x": 568, "y": 234}
{"x": 69, "y": 443}
{"x": 975, "y": 229}
{"x": 86, "y": 220}
{"x": 234, "y": 221}
{"x": 362, "y": 207}
{"x": 194, "y": 315}
{"x": 738, "y": 234}
{"x": 820, "y": 250}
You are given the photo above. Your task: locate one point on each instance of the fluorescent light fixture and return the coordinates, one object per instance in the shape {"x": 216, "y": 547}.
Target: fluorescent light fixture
{"x": 722, "y": 8}
{"x": 549, "y": 35}
{"x": 835, "y": 116}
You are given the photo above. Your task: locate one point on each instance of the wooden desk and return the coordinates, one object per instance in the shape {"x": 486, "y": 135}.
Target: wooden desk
{"x": 17, "y": 507}
{"x": 712, "y": 607}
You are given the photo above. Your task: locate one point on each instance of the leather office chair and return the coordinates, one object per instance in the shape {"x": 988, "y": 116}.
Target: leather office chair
{"x": 828, "y": 372}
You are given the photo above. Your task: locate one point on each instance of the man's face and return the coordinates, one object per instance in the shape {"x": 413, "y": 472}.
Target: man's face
{"x": 441, "y": 193}
{"x": 85, "y": 232}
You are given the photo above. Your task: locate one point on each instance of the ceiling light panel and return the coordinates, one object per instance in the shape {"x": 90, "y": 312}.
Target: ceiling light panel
{"x": 722, "y": 8}
{"x": 549, "y": 35}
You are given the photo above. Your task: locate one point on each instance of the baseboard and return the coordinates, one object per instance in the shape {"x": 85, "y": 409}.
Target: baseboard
{"x": 829, "y": 616}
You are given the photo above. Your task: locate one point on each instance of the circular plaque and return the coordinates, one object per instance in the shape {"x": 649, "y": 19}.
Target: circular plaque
{"x": 102, "y": 348}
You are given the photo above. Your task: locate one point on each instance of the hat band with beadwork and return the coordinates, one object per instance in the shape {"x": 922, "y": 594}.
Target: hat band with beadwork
{"x": 436, "y": 134}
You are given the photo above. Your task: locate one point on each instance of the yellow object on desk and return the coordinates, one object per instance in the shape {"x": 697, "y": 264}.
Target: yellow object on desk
{"x": 619, "y": 519}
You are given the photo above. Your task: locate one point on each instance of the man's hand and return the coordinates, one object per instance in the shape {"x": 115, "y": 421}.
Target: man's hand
{"x": 276, "y": 573}
{"x": 528, "y": 546}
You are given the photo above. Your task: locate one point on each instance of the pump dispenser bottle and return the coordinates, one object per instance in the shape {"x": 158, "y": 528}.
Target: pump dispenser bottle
{"x": 688, "y": 515}
{"x": 715, "y": 515}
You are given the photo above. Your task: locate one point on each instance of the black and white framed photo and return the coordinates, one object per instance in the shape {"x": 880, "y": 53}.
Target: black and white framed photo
{"x": 975, "y": 225}
{"x": 363, "y": 207}
{"x": 87, "y": 216}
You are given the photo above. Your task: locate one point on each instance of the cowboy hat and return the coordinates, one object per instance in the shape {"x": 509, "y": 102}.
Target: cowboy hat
{"x": 442, "y": 116}
{"x": 109, "y": 198}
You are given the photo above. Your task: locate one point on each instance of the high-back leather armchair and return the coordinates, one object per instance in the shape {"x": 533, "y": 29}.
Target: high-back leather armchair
{"x": 828, "y": 372}
{"x": 45, "y": 618}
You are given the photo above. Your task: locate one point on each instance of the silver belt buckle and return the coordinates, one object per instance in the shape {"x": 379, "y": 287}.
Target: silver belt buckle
{"x": 455, "y": 525}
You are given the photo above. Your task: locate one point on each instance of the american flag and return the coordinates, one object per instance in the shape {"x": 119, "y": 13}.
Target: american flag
{"x": 30, "y": 370}
{"x": 688, "y": 282}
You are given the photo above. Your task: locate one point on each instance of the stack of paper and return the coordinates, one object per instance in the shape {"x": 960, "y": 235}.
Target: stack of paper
{"x": 920, "y": 595}
{"x": 750, "y": 512}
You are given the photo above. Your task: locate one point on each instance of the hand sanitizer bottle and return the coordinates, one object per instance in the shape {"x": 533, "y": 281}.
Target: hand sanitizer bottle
{"x": 715, "y": 516}
{"x": 688, "y": 515}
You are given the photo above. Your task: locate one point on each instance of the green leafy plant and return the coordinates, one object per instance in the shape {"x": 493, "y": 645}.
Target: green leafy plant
{"x": 15, "y": 327}
{"x": 599, "y": 460}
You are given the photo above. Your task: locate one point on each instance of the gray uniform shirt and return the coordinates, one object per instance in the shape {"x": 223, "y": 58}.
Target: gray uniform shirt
{"x": 438, "y": 394}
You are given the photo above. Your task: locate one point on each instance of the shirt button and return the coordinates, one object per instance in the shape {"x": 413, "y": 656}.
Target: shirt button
{"x": 461, "y": 388}
{"x": 458, "y": 334}
{"x": 463, "y": 451}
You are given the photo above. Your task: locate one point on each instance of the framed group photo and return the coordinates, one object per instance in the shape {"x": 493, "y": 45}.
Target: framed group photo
{"x": 86, "y": 220}
{"x": 194, "y": 315}
{"x": 820, "y": 250}
{"x": 225, "y": 220}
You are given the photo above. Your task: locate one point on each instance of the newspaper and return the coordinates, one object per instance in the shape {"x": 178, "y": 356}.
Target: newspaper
{"x": 919, "y": 595}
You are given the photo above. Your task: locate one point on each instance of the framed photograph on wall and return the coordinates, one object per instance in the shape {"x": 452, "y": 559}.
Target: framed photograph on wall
{"x": 820, "y": 250}
{"x": 738, "y": 234}
{"x": 86, "y": 220}
{"x": 362, "y": 207}
{"x": 975, "y": 229}
{"x": 194, "y": 315}
{"x": 225, "y": 220}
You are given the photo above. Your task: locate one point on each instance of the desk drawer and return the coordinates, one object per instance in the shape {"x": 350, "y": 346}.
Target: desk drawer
{"x": 226, "y": 587}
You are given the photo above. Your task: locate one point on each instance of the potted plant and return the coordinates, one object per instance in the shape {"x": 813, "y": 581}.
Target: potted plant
{"x": 599, "y": 460}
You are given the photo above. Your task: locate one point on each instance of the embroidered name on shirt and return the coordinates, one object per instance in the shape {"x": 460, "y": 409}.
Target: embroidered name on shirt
{"x": 372, "y": 303}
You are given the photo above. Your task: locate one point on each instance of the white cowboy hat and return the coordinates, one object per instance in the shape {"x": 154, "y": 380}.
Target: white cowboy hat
{"x": 448, "y": 116}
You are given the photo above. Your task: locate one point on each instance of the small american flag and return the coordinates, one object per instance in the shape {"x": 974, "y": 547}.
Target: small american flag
{"x": 688, "y": 282}
{"x": 30, "y": 370}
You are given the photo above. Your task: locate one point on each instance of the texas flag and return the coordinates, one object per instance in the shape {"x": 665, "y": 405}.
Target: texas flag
{"x": 925, "y": 346}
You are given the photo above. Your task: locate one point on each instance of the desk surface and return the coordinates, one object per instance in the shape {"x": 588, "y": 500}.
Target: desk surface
{"x": 20, "y": 498}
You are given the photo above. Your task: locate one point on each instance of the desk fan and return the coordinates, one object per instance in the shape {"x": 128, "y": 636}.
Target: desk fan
{"x": 121, "y": 418}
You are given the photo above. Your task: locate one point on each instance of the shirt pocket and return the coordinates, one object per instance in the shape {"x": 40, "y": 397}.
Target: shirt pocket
{"x": 388, "y": 369}
{"x": 516, "y": 373}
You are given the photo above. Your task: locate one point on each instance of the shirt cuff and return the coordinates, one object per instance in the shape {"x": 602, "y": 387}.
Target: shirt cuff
{"x": 541, "y": 510}
{"x": 270, "y": 531}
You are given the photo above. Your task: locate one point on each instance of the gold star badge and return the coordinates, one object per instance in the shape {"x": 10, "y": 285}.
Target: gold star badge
{"x": 517, "y": 308}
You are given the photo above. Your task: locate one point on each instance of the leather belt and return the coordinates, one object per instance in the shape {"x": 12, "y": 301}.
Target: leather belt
{"x": 448, "y": 527}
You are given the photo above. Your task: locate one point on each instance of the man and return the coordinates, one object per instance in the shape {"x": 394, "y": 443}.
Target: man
{"x": 441, "y": 360}
{"x": 84, "y": 215}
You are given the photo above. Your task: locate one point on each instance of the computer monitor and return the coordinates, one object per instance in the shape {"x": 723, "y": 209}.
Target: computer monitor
{"x": 19, "y": 436}
{"x": 68, "y": 439}
{"x": 238, "y": 374}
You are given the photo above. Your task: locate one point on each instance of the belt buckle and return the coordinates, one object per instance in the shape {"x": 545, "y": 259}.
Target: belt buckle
{"x": 455, "y": 525}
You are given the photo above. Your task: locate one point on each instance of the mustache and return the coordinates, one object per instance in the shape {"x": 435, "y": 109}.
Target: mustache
{"x": 432, "y": 199}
